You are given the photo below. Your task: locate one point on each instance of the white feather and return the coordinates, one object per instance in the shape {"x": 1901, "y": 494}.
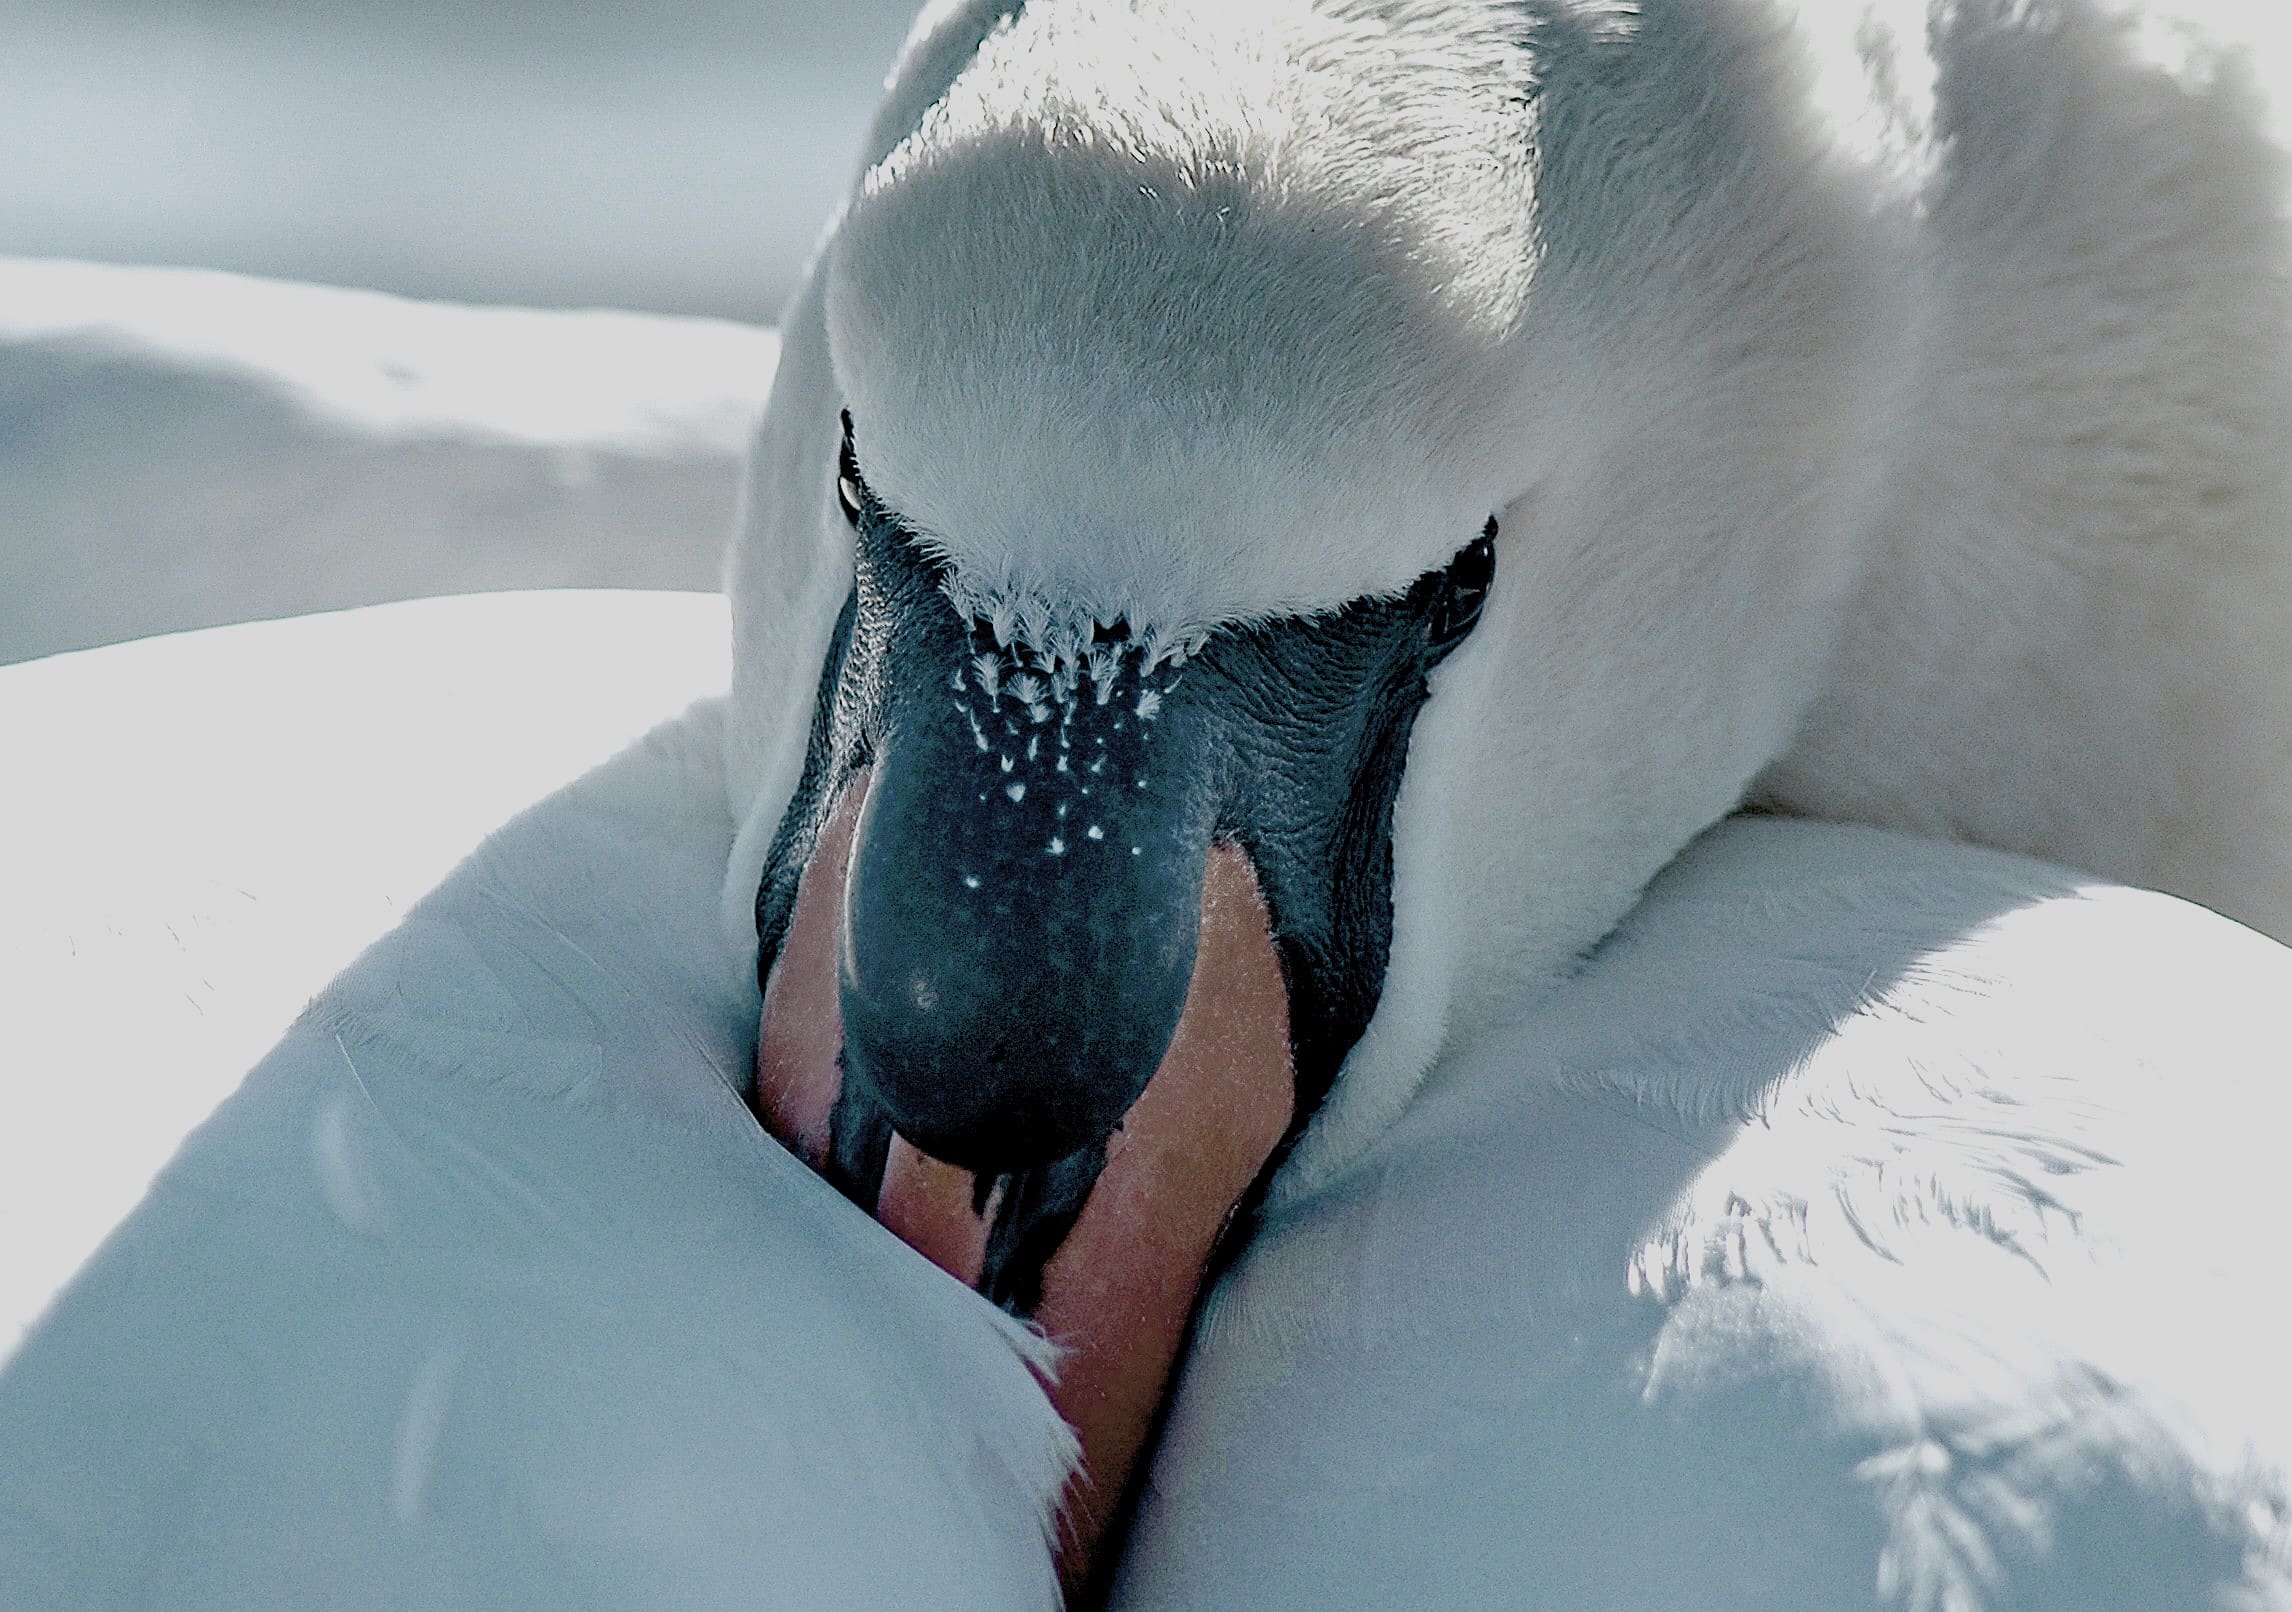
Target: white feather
{"x": 484, "y": 1289}
{"x": 1870, "y": 1221}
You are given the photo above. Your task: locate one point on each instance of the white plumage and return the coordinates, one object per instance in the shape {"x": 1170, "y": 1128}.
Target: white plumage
{"x": 1867, "y": 1220}
{"x": 1871, "y": 1222}
{"x": 484, "y": 1290}
{"x": 1885, "y": 404}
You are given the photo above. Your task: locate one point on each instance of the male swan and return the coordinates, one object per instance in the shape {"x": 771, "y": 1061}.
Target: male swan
{"x": 1381, "y": 478}
{"x": 1876, "y": 419}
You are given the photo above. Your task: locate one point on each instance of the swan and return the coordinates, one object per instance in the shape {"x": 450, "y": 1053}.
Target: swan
{"x": 1901, "y": 1197}
{"x": 1341, "y": 494}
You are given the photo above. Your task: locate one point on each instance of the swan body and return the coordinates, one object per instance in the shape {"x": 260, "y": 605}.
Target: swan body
{"x": 482, "y": 1289}
{"x": 1873, "y": 1221}
{"x": 1880, "y": 410}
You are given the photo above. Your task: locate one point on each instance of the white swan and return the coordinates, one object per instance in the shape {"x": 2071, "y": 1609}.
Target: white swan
{"x": 483, "y": 1290}
{"x": 1783, "y": 1199}
{"x": 1881, "y": 410}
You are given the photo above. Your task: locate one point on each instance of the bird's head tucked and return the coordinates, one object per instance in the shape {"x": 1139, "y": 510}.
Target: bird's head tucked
{"x": 1159, "y": 498}
{"x": 1254, "y": 556}
{"x": 1024, "y": 805}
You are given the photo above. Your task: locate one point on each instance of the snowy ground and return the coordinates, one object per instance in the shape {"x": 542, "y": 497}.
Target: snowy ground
{"x": 181, "y": 451}
{"x": 184, "y": 449}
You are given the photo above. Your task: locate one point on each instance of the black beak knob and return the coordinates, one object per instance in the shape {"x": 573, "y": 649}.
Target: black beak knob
{"x": 1021, "y": 918}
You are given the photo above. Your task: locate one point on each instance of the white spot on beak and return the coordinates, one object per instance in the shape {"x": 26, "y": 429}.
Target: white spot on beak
{"x": 1057, "y": 846}
{"x": 1095, "y": 832}
{"x": 1015, "y": 791}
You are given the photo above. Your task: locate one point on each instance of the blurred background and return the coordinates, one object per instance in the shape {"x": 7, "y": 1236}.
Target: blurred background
{"x": 676, "y": 155}
{"x": 208, "y": 415}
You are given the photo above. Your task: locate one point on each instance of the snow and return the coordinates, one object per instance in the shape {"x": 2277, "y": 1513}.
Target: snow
{"x": 187, "y": 449}
{"x": 678, "y": 157}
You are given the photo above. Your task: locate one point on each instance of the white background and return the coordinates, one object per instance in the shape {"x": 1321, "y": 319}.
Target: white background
{"x": 678, "y": 155}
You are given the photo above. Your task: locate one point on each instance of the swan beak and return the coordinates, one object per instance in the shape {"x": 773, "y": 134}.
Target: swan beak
{"x": 1110, "y": 1247}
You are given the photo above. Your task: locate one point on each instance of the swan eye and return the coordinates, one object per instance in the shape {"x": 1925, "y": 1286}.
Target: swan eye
{"x": 849, "y": 488}
{"x": 1465, "y": 589}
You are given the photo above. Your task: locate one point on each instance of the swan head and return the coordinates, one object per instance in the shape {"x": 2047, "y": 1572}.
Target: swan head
{"x": 1166, "y": 368}
{"x": 1164, "y": 510}
{"x": 1035, "y": 801}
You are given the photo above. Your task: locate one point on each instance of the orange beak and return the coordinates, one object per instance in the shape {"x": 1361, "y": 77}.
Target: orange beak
{"x": 1120, "y": 1291}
